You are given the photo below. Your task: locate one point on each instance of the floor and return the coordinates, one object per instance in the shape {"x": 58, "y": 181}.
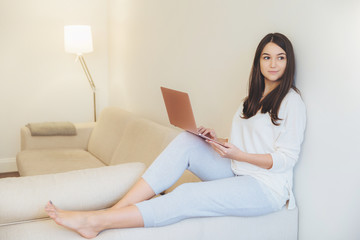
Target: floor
{"x": 9, "y": 174}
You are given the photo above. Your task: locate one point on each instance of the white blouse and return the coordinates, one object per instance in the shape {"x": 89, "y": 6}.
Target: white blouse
{"x": 259, "y": 135}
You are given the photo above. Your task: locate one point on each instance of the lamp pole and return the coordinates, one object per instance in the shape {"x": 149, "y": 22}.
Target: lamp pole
{"x": 91, "y": 82}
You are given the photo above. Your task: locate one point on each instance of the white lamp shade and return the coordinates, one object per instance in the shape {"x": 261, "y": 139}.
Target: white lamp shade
{"x": 77, "y": 39}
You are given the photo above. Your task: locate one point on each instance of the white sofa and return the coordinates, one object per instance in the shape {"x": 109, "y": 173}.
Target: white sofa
{"x": 108, "y": 157}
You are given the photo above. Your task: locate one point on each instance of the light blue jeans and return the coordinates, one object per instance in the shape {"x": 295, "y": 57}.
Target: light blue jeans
{"x": 220, "y": 194}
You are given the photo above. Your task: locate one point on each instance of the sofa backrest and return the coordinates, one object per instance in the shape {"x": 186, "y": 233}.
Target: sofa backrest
{"x": 108, "y": 132}
{"x": 143, "y": 141}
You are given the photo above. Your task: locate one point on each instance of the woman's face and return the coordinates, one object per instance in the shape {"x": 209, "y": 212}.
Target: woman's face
{"x": 272, "y": 62}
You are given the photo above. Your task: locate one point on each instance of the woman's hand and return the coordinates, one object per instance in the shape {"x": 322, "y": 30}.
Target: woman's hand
{"x": 232, "y": 152}
{"x": 208, "y": 132}
{"x": 229, "y": 151}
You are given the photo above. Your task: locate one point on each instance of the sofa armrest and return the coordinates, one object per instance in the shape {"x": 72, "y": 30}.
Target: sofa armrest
{"x": 80, "y": 140}
{"x": 24, "y": 198}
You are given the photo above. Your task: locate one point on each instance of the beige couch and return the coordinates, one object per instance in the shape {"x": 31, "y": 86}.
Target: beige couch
{"x": 94, "y": 169}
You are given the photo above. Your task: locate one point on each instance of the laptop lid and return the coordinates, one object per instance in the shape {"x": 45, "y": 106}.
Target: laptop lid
{"x": 180, "y": 113}
{"x": 179, "y": 109}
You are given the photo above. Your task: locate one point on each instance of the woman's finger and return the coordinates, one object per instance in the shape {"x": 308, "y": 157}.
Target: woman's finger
{"x": 218, "y": 148}
{"x": 201, "y": 129}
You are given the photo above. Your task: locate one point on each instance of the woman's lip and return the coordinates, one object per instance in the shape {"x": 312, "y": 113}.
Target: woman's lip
{"x": 273, "y": 72}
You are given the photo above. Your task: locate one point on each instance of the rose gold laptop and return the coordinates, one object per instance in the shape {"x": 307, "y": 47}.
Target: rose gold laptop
{"x": 180, "y": 113}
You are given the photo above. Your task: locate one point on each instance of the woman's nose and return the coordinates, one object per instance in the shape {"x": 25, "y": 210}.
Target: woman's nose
{"x": 273, "y": 63}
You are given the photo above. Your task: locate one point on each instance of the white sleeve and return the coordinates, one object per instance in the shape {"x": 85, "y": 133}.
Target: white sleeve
{"x": 288, "y": 144}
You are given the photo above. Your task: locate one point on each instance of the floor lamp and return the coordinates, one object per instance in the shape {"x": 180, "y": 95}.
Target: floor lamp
{"x": 78, "y": 40}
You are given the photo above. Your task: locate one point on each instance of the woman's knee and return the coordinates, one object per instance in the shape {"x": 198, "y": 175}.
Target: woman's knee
{"x": 186, "y": 136}
{"x": 189, "y": 139}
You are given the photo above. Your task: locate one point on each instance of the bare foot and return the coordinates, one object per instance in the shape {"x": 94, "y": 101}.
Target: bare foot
{"x": 80, "y": 222}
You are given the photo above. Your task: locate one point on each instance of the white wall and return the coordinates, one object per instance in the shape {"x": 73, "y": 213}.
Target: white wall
{"x": 205, "y": 47}
{"x": 38, "y": 80}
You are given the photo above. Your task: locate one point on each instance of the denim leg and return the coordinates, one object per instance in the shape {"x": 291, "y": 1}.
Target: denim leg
{"x": 186, "y": 151}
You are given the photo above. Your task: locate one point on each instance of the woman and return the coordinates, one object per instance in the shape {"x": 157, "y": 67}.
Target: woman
{"x": 251, "y": 176}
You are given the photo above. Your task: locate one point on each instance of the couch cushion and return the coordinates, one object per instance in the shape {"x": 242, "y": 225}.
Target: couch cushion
{"x": 45, "y": 161}
{"x": 24, "y": 198}
{"x": 143, "y": 140}
{"x": 108, "y": 132}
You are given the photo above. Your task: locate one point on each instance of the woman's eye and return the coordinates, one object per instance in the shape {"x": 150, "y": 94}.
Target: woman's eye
{"x": 266, "y": 58}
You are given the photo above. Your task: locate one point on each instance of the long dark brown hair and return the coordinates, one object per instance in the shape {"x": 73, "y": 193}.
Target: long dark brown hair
{"x": 271, "y": 103}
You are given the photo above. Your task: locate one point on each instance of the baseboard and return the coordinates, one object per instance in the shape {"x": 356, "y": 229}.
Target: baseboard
{"x": 8, "y": 165}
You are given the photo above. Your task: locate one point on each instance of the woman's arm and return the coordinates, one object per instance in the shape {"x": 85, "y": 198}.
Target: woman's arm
{"x": 232, "y": 152}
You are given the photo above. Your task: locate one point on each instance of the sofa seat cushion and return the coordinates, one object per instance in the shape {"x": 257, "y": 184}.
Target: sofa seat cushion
{"x": 276, "y": 226}
{"x": 45, "y": 161}
{"x": 24, "y": 198}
